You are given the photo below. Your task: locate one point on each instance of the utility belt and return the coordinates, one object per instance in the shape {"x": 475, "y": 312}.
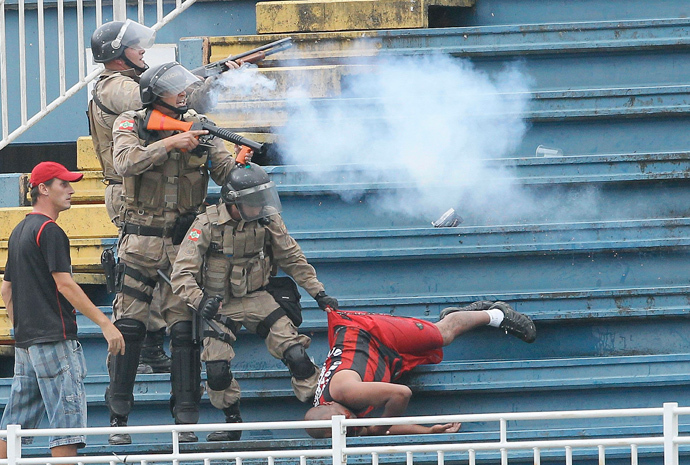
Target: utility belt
{"x": 284, "y": 291}
{"x": 143, "y": 230}
{"x": 177, "y": 231}
{"x": 111, "y": 182}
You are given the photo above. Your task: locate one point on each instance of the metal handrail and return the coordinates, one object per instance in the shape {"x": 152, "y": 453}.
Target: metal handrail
{"x": 10, "y": 134}
{"x": 339, "y": 450}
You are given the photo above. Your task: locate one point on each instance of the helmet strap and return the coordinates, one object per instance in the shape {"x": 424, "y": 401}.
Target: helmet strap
{"x": 179, "y": 110}
{"x": 129, "y": 63}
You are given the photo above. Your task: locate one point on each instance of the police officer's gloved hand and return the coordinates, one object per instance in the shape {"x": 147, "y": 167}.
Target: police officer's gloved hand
{"x": 209, "y": 306}
{"x": 325, "y": 300}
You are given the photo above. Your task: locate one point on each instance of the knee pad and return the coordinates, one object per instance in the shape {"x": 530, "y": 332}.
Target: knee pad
{"x": 181, "y": 334}
{"x": 132, "y": 330}
{"x": 218, "y": 375}
{"x": 298, "y": 362}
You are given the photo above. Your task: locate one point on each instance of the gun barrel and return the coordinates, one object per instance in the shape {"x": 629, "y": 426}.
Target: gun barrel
{"x": 270, "y": 49}
{"x": 218, "y": 67}
{"x": 230, "y": 136}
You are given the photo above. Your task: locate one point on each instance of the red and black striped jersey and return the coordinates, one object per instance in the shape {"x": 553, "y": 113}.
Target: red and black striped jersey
{"x": 380, "y": 348}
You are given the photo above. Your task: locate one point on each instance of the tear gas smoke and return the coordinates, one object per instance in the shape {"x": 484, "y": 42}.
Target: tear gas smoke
{"x": 433, "y": 125}
{"x": 243, "y": 84}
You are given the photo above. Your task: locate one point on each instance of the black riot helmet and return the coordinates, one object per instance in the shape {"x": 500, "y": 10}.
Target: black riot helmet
{"x": 252, "y": 192}
{"x": 110, "y": 40}
{"x": 166, "y": 79}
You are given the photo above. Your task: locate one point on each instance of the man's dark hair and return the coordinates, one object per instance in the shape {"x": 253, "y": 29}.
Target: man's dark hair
{"x": 35, "y": 193}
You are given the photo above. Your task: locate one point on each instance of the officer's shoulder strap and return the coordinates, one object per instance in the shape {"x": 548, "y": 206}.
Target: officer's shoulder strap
{"x": 216, "y": 229}
{"x": 212, "y": 214}
{"x": 96, "y": 100}
{"x": 142, "y": 132}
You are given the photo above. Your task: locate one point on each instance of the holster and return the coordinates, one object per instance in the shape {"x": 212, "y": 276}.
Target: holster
{"x": 182, "y": 225}
{"x": 113, "y": 271}
{"x": 285, "y": 292}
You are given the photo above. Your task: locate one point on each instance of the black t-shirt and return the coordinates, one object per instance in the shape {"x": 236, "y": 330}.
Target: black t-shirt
{"x": 38, "y": 247}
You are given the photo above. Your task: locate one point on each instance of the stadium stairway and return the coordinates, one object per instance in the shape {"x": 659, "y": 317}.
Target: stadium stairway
{"x": 607, "y": 286}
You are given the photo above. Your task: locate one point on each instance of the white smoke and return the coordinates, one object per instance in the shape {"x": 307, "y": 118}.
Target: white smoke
{"x": 243, "y": 84}
{"x": 430, "y": 127}
{"x": 431, "y": 123}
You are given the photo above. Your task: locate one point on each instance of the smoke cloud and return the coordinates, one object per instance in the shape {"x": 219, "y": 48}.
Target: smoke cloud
{"x": 432, "y": 126}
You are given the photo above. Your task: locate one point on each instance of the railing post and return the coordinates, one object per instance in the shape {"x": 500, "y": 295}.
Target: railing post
{"x": 338, "y": 438}
{"x": 670, "y": 433}
{"x": 14, "y": 444}
{"x": 119, "y": 10}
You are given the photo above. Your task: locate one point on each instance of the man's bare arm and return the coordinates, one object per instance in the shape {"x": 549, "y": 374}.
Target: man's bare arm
{"x": 6, "y": 292}
{"x": 348, "y": 389}
{"x": 419, "y": 429}
{"x": 76, "y": 296}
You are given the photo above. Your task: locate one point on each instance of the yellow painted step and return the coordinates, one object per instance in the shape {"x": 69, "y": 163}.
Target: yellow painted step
{"x": 79, "y": 222}
{"x": 86, "y": 155}
{"x": 333, "y": 47}
{"x": 345, "y": 15}
{"x": 85, "y": 254}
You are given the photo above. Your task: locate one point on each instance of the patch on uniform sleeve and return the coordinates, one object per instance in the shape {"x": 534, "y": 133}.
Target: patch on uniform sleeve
{"x": 126, "y": 125}
{"x": 194, "y": 234}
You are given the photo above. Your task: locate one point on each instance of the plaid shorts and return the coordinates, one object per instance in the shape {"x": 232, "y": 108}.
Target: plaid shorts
{"x": 48, "y": 378}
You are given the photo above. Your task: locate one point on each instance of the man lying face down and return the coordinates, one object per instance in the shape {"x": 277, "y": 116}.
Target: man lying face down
{"x": 369, "y": 351}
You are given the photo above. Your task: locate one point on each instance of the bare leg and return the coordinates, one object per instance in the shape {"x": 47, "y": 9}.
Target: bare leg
{"x": 68, "y": 450}
{"x": 455, "y": 324}
{"x": 3, "y": 449}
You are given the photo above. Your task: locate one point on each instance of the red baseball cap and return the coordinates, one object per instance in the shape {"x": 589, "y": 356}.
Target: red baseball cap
{"x": 47, "y": 170}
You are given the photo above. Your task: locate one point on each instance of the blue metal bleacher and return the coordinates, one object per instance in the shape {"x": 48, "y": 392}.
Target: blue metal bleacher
{"x": 606, "y": 286}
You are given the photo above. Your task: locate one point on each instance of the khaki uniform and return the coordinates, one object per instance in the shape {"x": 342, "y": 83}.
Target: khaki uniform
{"x": 117, "y": 92}
{"x": 233, "y": 259}
{"x": 159, "y": 186}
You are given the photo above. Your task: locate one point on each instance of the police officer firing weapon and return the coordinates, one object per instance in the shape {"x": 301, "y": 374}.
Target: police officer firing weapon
{"x": 121, "y": 46}
{"x": 165, "y": 179}
{"x": 224, "y": 269}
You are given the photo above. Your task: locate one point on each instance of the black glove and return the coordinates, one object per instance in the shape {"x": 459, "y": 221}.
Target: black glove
{"x": 325, "y": 300}
{"x": 209, "y": 306}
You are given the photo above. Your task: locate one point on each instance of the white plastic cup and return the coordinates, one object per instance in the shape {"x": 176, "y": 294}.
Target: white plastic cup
{"x": 544, "y": 151}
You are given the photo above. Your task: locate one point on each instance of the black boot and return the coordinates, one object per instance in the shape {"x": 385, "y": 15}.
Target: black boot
{"x": 232, "y": 415}
{"x": 153, "y": 355}
{"x": 119, "y": 439}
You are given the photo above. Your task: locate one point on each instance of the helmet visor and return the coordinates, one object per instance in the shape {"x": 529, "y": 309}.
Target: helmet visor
{"x": 135, "y": 35}
{"x": 174, "y": 81}
{"x": 258, "y": 202}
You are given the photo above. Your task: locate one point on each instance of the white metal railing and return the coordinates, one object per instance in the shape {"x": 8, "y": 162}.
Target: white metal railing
{"x": 17, "y": 121}
{"x": 339, "y": 450}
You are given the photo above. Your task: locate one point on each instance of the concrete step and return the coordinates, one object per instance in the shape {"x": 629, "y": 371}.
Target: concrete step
{"x": 528, "y": 40}
{"x": 345, "y": 15}
{"x": 547, "y": 106}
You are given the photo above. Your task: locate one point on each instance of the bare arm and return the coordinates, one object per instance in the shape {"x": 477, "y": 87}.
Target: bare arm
{"x": 419, "y": 429}
{"x": 6, "y": 292}
{"x": 76, "y": 296}
{"x": 348, "y": 389}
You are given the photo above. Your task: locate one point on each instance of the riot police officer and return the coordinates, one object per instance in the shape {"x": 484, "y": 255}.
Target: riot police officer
{"x": 231, "y": 250}
{"x": 165, "y": 178}
{"x": 121, "y": 46}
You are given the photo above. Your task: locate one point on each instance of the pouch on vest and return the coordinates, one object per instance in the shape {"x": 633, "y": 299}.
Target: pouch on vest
{"x": 284, "y": 291}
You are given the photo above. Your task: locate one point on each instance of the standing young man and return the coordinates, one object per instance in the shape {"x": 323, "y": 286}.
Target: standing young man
{"x": 41, "y": 296}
